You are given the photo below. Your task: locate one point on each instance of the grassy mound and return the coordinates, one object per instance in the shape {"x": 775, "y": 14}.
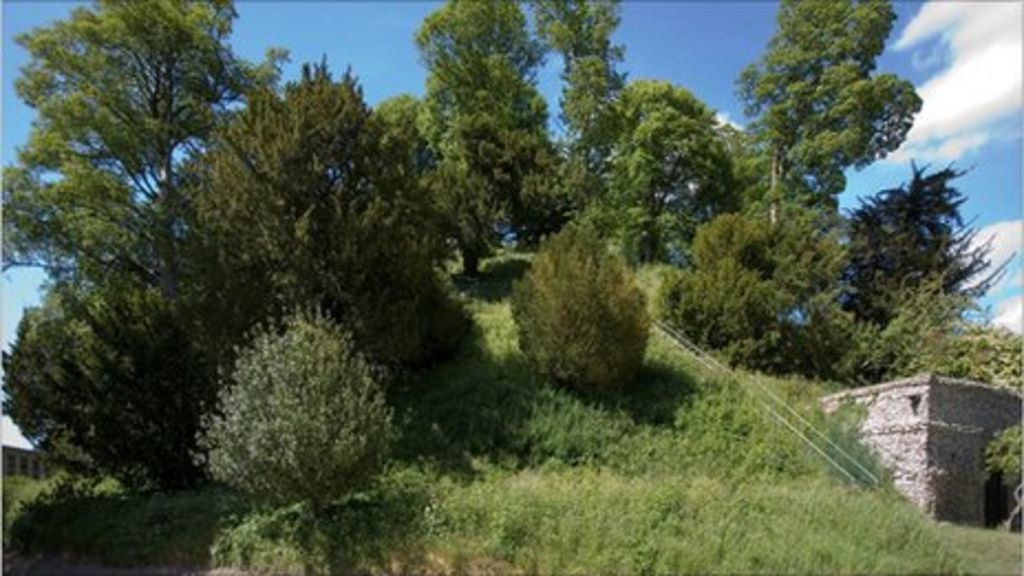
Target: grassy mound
{"x": 495, "y": 471}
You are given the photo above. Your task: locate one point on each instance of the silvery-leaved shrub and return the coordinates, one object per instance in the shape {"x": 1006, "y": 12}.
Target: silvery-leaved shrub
{"x": 303, "y": 417}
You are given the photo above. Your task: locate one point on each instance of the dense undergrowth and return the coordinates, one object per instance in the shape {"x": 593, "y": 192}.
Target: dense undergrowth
{"x": 494, "y": 471}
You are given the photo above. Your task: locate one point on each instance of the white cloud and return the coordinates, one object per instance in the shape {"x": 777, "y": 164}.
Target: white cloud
{"x": 1007, "y": 240}
{"x": 946, "y": 150}
{"x": 724, "y": 119}
{"x": 1010, "y": 314}
{"x": 12, "y": 436}
{"x": 979, "y": 93}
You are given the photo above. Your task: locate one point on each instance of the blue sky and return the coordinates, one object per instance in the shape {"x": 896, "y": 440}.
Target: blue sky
{"x": 965, "y": 60}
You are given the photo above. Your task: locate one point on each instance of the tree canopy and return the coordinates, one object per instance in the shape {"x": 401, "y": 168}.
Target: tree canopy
{"x": 670, "y": 171}
{"x": 126, "y": 94}
{"x": 487, "y": 121}
{"x": 818, "y": 105}
{"x": 581, "y": 32}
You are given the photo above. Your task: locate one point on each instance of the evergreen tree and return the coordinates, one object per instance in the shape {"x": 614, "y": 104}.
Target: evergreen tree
{"x": 765, "y": 296}
{"x": 309, "y": 198}
{"x": 486, "y": 120}
{"x": 904, "y": 235}
{"x": 817, "y": 104}
{"x": 111, "y": 382}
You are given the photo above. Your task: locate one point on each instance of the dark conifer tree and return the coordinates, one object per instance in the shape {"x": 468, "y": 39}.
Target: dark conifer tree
{"x": 901, "y": 236}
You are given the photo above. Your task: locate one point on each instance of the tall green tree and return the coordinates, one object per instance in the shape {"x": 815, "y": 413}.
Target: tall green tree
{"x": 749, "y": 165}
{"x": 312, "y": 199}
{"x": 486, "y": 120}
{"x": 671, "y": 171}
{"x": 126, "y": 93}
{"x": 903, "y": 236}
{"x": 580, "y": 31}
{"x": 817, "y": 103}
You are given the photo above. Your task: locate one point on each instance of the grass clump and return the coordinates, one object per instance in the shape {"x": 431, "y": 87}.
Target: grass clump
{"x": 125, "y": 528}
{"x": 375, "y": 528}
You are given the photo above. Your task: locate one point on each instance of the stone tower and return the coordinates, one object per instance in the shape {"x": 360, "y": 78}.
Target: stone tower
{"x": 931, "y": 433}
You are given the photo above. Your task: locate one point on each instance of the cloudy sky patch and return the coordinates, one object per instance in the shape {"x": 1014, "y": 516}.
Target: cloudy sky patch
{"x": 977, "y": 96}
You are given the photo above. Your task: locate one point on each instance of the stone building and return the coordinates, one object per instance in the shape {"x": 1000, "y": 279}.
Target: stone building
{"x": 931, "y": 433}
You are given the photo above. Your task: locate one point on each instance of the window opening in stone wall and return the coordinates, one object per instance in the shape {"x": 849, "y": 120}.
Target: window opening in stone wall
{"x": 915, "y": 403}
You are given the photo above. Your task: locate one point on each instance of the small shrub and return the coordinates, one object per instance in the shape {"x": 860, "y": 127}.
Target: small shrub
{"x": 930, "y": 332}
{"x": 303, "y": 416}
{"x": 581, "y": 318}
{"x": 382, "y": 526}
{"x": 1003, "y": 455}
{"x": 17, "y": 492}
{"x": 990, "y": 354}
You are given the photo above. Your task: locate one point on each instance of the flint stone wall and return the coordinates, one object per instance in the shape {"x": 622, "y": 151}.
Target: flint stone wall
{"x": 931, "y": 433}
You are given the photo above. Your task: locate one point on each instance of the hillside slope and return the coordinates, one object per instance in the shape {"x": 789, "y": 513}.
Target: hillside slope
{"x": 496, "y": 472}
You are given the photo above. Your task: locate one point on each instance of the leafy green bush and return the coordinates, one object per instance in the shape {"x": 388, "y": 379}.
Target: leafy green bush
{"x": 304, "y": 417}
{"x": 990, "y": 354}
{"x": 359, "y": 535}
{"x": 17, "y": 492}
{"x": 581, "y": 318}
{"x": 764, "y": 295}
{"x": 1003, "y": 455}
{"x": 930, "y": 333}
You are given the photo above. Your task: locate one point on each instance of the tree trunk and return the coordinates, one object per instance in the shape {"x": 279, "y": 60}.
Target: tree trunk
{"x": 773, "y": 194}
{"x": 470, "y": 262}
{"x": 167, "y": 251}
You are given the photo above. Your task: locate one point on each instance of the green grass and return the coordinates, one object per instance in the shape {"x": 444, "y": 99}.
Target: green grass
{"x": 587, "y": 521}
{"x": 125, "y": 529}
{"x": 985, "y": 551}
{"x": 496, "y": 471}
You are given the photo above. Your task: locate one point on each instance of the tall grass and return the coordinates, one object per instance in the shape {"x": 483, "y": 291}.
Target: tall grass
{"x": 592, "y": 521}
